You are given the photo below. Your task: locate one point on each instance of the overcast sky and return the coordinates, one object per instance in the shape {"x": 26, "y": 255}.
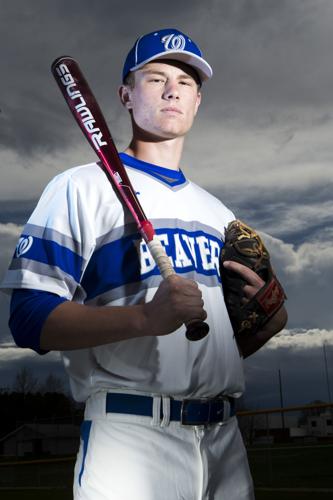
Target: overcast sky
{"x": 262, "y": 143}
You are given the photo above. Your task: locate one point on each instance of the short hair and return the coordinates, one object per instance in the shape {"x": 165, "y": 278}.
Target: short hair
{"x": 130, "y": 80}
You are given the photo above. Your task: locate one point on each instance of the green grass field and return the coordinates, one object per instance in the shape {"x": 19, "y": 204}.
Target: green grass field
{"x": 292, "y": 466}
{"x": 67, "y": 495}
{"x": 45, "y": 494}
{"x": 275, "y": 468}
{"x": 278, "y": 495}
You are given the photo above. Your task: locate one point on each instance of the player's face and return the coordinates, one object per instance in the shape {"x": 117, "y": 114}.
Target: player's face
{"x": 164, "y": 100}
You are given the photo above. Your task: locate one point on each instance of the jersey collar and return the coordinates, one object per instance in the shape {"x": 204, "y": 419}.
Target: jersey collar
{"x": 168, "y": 176}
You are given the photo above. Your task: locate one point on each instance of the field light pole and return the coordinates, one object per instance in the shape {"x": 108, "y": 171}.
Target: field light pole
{"x": 281, "y": 399}
{"x": 327, "y": 377}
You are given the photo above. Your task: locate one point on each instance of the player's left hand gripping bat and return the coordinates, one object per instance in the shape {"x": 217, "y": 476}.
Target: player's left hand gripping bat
{"x": 89, "y": 116}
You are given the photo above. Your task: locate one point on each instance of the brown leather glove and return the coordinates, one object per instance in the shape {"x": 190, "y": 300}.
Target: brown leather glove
{"x": 242, "y": 244}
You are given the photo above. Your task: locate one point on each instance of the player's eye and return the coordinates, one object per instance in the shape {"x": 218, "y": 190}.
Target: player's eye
{"x": 157, "y": 80}
{"x": 187, "y": 83}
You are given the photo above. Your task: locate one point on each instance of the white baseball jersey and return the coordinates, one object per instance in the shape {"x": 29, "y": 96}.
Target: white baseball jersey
{"x": 79, "y": 243}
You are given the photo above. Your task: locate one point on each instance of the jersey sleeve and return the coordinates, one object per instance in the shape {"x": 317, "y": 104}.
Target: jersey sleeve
{"x": 56, "y": 243}
{"x": 29, "y": 310}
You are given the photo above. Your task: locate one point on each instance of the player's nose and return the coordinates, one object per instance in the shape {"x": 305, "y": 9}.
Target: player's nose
{"x": 171, "y": 90}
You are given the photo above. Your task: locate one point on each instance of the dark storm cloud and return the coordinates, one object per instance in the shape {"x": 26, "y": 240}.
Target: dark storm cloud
{"x": 32, "y": 115}
{"x": 33, "y": 34}
{"x": 16, "y": 211}
{"x": 288, "y": 353}
{"x": 265, "y": 54}
{"x": 272, "y": 53}
{"x": 262, "y": 142}
{"x": 291, "y": 354}
{"x": 294, "y": 215}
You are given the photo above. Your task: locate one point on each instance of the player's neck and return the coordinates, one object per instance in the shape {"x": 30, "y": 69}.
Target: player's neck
{"x": 165, "y": 153}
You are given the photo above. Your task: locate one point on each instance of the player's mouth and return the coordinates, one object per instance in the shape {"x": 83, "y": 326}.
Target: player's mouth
{"x": 171, "y": 109}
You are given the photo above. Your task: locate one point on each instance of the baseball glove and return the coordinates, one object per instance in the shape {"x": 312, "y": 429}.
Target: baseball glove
{"x": 242, "y": 244}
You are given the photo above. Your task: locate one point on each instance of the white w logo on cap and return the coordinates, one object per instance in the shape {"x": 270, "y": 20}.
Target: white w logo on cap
{"x": 174, "y": 42}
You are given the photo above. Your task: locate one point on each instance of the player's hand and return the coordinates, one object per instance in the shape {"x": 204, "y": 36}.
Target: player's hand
{"x": 253, "y": 281}
{"x": 176, "y": 301}
{"x": 253, "y": 284}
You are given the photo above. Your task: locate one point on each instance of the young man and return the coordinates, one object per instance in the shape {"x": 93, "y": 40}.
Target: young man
{"x": 160, "y": 410}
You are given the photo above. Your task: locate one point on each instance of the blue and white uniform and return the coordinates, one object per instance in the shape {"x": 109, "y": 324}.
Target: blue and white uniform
{"x": 81, "y": 245}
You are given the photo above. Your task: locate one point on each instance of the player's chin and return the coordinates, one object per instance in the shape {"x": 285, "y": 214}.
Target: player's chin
{"x": 173, "y": 134}
{"x": 174, "y": 130}
{"x": 167, "y": 134}
{"x": 176, "y": 123}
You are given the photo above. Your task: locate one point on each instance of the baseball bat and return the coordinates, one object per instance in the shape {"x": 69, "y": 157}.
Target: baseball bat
{"x": 88, "y": 115}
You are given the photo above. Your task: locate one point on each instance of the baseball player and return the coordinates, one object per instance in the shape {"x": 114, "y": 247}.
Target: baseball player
{"x": 159, "y": 418}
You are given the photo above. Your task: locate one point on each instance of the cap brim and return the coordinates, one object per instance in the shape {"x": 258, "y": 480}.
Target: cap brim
{"x": 200, "y": 65}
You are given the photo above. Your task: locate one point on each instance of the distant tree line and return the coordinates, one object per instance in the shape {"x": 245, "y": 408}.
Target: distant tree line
{"x": 26, "y": 382}
{"x": 34, "y": 401}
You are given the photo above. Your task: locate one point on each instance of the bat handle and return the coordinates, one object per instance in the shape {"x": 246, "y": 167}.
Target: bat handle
{"x": 195, "y": 329}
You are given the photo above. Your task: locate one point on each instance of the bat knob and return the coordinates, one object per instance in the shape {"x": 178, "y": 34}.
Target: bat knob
{"x": 196, "y": 330}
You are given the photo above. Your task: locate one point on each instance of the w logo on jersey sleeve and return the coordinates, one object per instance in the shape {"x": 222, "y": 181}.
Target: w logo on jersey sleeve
{"x": 23, "y": 246}
{"x": 45, "y": 255}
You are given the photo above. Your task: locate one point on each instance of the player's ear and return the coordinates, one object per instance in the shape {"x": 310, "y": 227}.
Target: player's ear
{"x": 125, "y": 96}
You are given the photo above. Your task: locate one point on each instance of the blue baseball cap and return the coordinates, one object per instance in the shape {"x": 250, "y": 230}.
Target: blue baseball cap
{"x": 166, "y": 44}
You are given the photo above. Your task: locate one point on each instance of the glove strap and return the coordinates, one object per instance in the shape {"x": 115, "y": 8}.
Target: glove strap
{"x": 271, "y": 297}
{"x": 264, "y": 305}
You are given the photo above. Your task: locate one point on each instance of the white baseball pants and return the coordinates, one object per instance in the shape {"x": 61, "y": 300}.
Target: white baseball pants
{"x": 130, "y": 457}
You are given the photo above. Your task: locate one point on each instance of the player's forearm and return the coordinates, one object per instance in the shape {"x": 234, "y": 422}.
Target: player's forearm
{"x": 75, "y": 326}
{"x": 250, "y": 344}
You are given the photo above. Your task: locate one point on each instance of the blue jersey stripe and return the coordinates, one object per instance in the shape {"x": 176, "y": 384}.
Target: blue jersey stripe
{"x": 53, "y": 254}
{"x": 111, "y": 266}
{"x": 127, "y": 260}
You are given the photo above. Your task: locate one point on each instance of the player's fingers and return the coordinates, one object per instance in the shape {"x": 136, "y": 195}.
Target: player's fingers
{"x": 184, "y": 286}
{"x": 250, "y": 291}
{"x": 245, "y": 272}
{"x": 188, "y": 301}
{"x": 196, "y": 314}
{"x": 179, "y": 281}
{"x": 191, "y": 287}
